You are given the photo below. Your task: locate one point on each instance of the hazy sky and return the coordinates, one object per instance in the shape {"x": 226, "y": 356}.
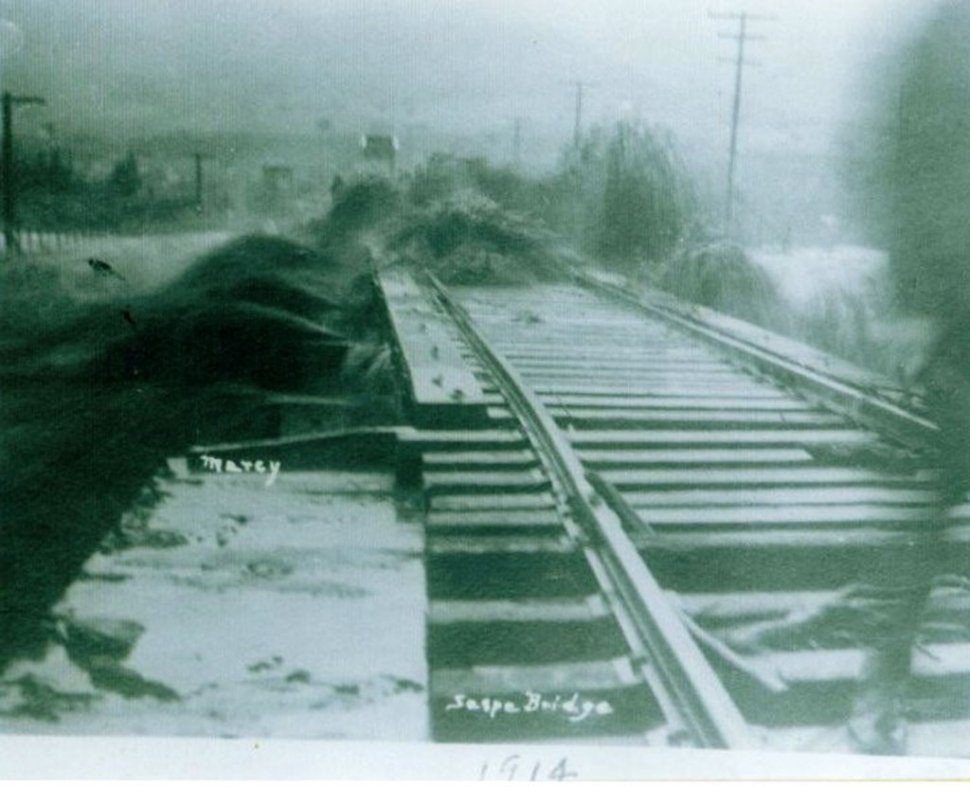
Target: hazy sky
{"x": 454, "y": 65}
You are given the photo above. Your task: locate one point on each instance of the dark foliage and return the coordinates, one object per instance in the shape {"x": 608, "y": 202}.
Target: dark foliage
{"x": 358, "y": 206}
{"x": 625, "y": 196}
{"x": 722, "y": 277}
{"x": 925, "y": 183}
{"x": 925, "y": 169}
{"x": 97, "y": 394}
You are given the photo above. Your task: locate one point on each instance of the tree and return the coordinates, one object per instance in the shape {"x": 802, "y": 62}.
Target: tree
{"x": 125, "y": 177}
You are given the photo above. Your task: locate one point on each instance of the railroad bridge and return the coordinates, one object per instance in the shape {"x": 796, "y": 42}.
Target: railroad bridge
{"x": 636, "y": 519}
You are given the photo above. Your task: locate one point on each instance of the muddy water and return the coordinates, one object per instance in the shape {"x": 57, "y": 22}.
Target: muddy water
{"x": 234, "y": 608}
{"x": 97, "y": 392}
{"x": 224, "y": 605}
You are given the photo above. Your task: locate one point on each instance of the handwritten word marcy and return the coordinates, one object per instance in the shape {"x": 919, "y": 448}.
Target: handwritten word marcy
{"x": 573, "y": 708}
{"x": 217, "y": 465}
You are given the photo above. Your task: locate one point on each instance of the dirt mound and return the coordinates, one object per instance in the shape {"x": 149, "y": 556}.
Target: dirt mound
{"x": 467, "y": 238}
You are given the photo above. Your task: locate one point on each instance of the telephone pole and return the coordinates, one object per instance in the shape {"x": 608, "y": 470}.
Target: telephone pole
{"x": 742, "y": 37}
{"x": 517, "y": 143}
{"x": 8, "y": 173}
{"x": 578, "y": 124}
{"x": 580, "y": 87}
{"x": 199, "y": 204}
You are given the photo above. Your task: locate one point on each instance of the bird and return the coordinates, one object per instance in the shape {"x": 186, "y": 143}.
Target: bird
{"x": 102, "y": 268}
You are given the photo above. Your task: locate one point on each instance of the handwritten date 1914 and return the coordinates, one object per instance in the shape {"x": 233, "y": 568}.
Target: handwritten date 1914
{"x": 517, "y": 768}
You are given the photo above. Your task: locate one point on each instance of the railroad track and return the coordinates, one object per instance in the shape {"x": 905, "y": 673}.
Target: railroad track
{"x": 642, "y": 517}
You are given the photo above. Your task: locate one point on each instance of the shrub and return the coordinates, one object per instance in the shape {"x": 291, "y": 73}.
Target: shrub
{"x": 624, "y": 196}
{"x": 722, "y": 277}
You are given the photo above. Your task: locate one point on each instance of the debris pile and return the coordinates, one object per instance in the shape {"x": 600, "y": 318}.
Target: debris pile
{"x": 722, "y": 277}
{"x": 467, "y": 238}
{"x": 99, "y": 391}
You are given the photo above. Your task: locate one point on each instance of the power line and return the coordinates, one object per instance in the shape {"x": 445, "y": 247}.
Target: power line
{"x": 742, "y": 37}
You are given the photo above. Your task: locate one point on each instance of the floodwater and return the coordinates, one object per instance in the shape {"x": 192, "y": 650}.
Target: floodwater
{"x": 238, "y": 609}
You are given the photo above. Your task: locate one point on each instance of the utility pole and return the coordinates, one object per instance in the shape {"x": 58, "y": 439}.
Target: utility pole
{"x": 517, "y": 143}
{"x": 8, "y": 174}
{"x": 742, "y": 37}
{"x": 578, "y": 111}
{"x": 578, "y": 124}
{"x": 198, "y": 183}
{"x": 53, "y": 157}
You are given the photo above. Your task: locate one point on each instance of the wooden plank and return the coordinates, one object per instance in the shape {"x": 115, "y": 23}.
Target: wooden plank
{"x": 412, "y": 443}
{"x": 790, "y": 558}
{"x": 503, "y": 548}
{"x": 762, "y": 338}
{"x": 700, "y": 418}
{"x": 787, "y": 516}
{"x": 512, "y": 520}
{"x": 603, "y": 321}
{"x": 604, "y": 328}
{"x": 830, "y": 496}
{"x": 500, "y": 415}
{"x": 462, "y": 440}
{"x": 555, "y": 353}
{"x": 511, "y": 337}
{"x": 697, "y": 477}
{"x": 604, "y": 388}
{"x": 724, "y": 608}
{"x": 607, "y": 364}
{"x": 736, "y": 608}
{"x": 441, "y": 482}
{"x": 795, "y": 539}
{"x": 438, "y": 373}
{"x": 747, "y": 437}
{"x": 519, "y": 610}
{"x": 547, "y": 678}
{"x": 862, "y": 396}
{"x": 506, "y": 501}
{"x": 506, "y": 567}
{"x": 601, "y": 459}
{"x": 640, "y": 376}
{"x": 475, "y": 460}
{"x": 929, "y": 661}
{"x": 464, "y": 644}
{"x": 646, "y": 401}
{"x": 443, "y": 387}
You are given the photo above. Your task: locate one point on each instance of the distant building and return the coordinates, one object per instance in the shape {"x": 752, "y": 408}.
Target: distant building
{"x": 277, "y": 185}
{"x": 381, "y": 150}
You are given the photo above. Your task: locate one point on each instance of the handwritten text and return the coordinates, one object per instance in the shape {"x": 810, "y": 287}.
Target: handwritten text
{"x": 517, "y": 768}
{"x": 217, "y": 465}
{"x": 573, "y": 708}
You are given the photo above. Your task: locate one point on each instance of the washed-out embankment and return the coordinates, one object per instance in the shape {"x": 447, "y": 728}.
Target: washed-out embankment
{"x": 102, "y": 382}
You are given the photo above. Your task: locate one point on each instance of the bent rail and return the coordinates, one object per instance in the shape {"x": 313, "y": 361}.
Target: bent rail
{"x": 688, "y": 689}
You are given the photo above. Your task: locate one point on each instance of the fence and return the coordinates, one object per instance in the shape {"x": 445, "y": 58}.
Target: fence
{"x": 35, "y": 242}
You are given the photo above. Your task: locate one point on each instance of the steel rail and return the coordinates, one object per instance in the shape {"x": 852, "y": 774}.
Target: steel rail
{"x": 692, "y": 696}
{"x": 847, "y": 398}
